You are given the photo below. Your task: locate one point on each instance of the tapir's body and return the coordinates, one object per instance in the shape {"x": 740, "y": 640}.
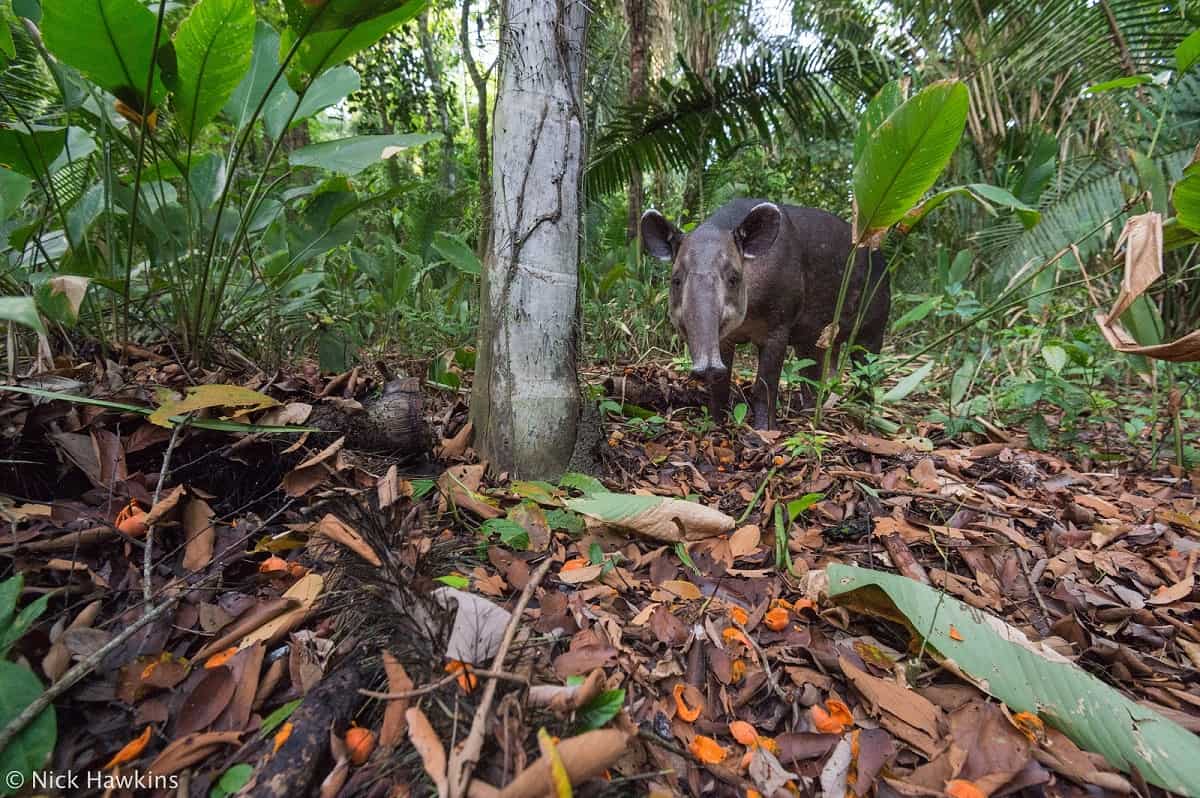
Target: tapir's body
{"x": 767, "y": 274}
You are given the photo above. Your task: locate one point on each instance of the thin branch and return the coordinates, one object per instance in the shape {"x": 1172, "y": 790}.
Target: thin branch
{"x": 147, "y": 587}
{"x": 462, "y": 760}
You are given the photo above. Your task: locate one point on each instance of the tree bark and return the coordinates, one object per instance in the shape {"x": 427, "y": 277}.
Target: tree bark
{"x": 441, "y": 100}
{"x": 635, "y": 14}
{"x": 479, "y": 79}
{"x": 525, "y": 402}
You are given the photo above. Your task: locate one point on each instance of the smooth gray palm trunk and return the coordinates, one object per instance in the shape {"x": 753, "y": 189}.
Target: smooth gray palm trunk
{"x": 525, "y": 403}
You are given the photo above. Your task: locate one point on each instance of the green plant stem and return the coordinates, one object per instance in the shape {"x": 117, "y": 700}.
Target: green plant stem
{"x": 143, "y": 114}
{"x": 234, "y": 160}
{"x": 827, "y": 359}
{"x": 1004, "y": 301}
{"x": 757, "y": 494}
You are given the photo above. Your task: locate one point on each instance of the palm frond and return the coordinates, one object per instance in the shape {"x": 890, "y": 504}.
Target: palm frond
{"x": 694, "y": 115}
{"x": 1086, "y": 194}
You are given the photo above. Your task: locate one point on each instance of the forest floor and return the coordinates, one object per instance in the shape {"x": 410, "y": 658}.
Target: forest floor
{"x": 288, "y": 573}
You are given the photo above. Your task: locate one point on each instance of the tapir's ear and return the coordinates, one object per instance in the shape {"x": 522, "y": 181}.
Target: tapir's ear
{"x": 660, "y": 238}
{"x": 757, "y": 232}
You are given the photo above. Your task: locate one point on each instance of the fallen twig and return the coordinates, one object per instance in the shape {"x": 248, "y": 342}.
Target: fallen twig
{"x": 147, "y": 560}
{"x": 442, "y": 682}
{"x": 463, "y": 759}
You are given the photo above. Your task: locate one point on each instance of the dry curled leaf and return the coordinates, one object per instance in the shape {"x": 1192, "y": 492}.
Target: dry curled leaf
{"x": 337, "y": 530}
{"x": 428, "y": 747}
{"x": 584, "y": 757}
{"x": 391, "y": 731}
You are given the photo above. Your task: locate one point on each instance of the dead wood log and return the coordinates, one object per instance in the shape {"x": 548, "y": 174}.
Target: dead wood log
{"x": 293, "y": 769}
{"x": 660, "y": 395}
{"x": 394, "y": 423}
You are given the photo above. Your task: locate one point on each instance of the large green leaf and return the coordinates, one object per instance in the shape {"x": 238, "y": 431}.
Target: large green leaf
{"x": 984, "y": 194}
{"x": 213, "y": 49}
{"x": 1187, "y": 201}
{"x": 22, "y": 310}
{"x": 908, "y": 384}
{"x": 14, "y": 187}
{"x": 30, "y": 749}
{"x": 882, "y": 105}
{"x": 109, "y": 41}
{"x": 329, "y": 89}
{"x": 31, "y": 150}
{"x": 1030, "y": 677}
{"x": 264, "y": 64}
{"x": 352, "y": 155}
{"x": 906, "y": 154}
{"x": 457, "y": 253}
{"x": 338, "y": 29}
{"x": 1188, "y": 52}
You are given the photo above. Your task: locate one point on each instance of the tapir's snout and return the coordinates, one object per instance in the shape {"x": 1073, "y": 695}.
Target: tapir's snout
{"x": 707, "y": 368}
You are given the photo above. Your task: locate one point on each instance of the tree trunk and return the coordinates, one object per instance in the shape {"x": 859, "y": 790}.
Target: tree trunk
{"x": 481, "y": 133}
{"x": 441, "y": 100}
{"x": 635, "y": 14}
{"x": 525, "y": 403}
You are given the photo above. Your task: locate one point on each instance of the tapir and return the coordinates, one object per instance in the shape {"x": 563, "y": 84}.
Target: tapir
{"x": 767, "y": 273}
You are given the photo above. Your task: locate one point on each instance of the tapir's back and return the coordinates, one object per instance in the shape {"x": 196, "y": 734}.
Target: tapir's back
{"x": 815, "y": 244}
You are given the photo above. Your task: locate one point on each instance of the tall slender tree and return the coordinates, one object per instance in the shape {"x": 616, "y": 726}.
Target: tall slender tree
{"x": 479, "y": 79}
{"x": 525, "y": 404}
{"x": 635, "y": 15}
{"x": 441, "y": 99}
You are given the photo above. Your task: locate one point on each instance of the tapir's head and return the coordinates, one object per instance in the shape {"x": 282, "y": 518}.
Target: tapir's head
{"x": 708, "y": 285}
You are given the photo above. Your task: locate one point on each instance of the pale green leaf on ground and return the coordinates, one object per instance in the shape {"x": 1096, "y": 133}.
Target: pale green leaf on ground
{"x": 213, "y": 48}
{"x": 203, "y": 397}
{"x": 657, "y": 517}
{"x": 1029, "y": 677}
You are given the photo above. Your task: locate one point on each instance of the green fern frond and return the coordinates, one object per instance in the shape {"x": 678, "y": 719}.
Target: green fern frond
{"x": 693, "y": 115}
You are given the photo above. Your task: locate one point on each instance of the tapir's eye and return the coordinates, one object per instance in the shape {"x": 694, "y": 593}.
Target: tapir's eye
{"x": 676, "y": 281}
{"x": 734, "y": 278}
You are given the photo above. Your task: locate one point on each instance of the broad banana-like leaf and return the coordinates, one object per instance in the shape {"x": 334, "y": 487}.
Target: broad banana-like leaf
{"x": 904, "y": 156}
{"x": 1029, "y": 677}
{"x": 213, "y": 49}
{"x": 109, "y": 41}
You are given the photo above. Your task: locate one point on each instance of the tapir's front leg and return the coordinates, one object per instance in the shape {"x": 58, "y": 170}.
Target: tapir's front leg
{"x": 718, "y": 387}
{"x": 766, "y": 383}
